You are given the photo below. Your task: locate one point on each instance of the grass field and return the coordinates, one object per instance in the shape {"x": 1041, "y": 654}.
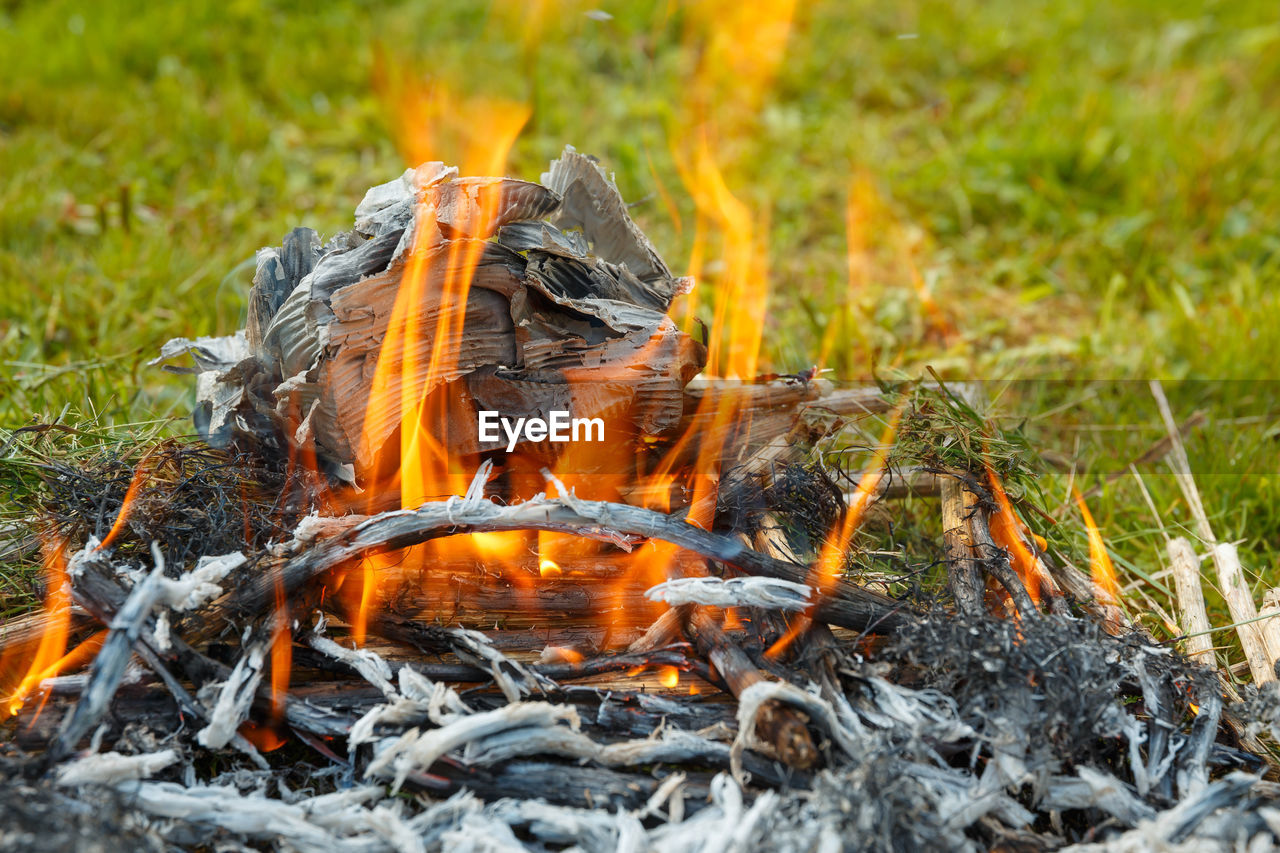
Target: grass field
{"x": 1069, "y": 196}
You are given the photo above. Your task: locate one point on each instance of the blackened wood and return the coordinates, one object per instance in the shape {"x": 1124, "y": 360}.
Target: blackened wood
{"x": 995, "y": 562}
{"x": 779, "y": 725}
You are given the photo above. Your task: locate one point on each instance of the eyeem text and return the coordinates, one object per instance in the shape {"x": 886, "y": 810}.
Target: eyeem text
{"x": 558, "y": 427}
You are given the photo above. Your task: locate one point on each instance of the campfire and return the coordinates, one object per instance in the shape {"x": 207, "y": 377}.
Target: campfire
{"x": 479, "y": 548}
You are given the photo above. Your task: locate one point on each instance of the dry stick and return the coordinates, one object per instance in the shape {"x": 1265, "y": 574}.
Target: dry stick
{"x": 777, "y": 724}
{"x": 1270, "y": 627}
{"x": 1225, "y": 558}
{"x": 963, "y": 577}
{"x": 847, "y": 605}
{"x": 1191, "y": 613}
{"x": 29, "y": 628}
{"x": 1155, "y": 452}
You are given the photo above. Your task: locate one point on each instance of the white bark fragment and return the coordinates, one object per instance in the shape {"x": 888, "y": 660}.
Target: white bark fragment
{"x": 200, "y": 585}
{"x": 232, "y": 706}
{"x": 111, "y": 768}
{"x": 371, "y": 667}
{"x": 412, "y": 750}
{"x": 769, "y": 593}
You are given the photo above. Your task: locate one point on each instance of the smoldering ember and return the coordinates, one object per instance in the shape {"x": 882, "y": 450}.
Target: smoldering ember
{"x": 351, "y": 616}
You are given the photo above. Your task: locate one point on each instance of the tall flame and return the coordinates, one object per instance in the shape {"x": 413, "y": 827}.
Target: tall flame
{"x": 1105, "y": 585}
{"x": 1009, "y": 532}
{"x": 485, "y": 130}
{"x": 53, "y": 640}
{"x": 831, "y": 559}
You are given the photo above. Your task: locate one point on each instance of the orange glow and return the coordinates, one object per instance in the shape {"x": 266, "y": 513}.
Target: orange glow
{"x": 562, "y": 654}
{"x": 53, "y": 641}
{"x": 549, "y": 569}
{"x": 830, "y": 565}
{"x": 669, "y": 677}
{"x": 1007, "y": 532}
{"x": 417, "y": 359}
{"x": 1105, "y": 585}
{"x": 860, "y": 203}
{"x": 264, "y": 738}
{"x": 732, "y": 621}
{"x": 281, "y": 664}
{"x": 126, "y": 506}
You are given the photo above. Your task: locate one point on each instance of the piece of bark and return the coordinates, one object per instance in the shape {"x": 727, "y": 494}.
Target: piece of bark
{"x": 1185, "y": 567}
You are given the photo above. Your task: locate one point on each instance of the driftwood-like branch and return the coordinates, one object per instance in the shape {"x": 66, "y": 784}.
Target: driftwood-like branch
{"x": 846, "y": 605}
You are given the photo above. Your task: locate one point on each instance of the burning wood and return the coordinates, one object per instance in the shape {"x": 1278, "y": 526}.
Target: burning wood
{"x": 662, "y": 642}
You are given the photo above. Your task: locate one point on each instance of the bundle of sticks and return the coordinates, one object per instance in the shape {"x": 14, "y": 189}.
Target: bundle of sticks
{"x": 759, "y": 694}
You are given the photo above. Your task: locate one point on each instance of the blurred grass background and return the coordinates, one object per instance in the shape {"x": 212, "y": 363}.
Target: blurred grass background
{"x": 1074, "y": 196}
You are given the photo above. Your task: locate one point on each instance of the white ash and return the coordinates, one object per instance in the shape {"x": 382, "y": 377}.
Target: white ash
{"x": 514, "y": 679}
{"x": 314, "y": 528}
{"x": 1093, "y": 788}
{"x": 199, "y": 586}
{"x": 111, "y": 768}
{"x": 671, "y": 746}
{"x": 234, "y": 698}
{"x": 396, "y": 757}
{"x": 420, "y": 701}
{"x": 1208, "y": 821}
{"x": 768, "y": 593}
{"x": 337, "y": 821}
{"x": 371, "y": 667}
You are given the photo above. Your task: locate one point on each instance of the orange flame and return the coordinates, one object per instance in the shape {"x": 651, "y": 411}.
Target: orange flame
{"x": 860, "y": 202}
{"x": 53, "y": 640}
{"x": 1007, "y": 531}
{"x": 669, "y": 677}
{"x": 140, "y": 475}
{"x": 485, "y": 129}
{"x": 830, "y": 565}
{"x": 264, "y": 738}
{"x": 1105, "y": 585}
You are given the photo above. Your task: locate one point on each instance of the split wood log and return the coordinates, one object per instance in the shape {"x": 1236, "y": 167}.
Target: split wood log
{"x": 777, "y": 724}
{"x": 565, "y": 305}
{"x": 1190, "y": 599}
{"x": 963, "y": 576}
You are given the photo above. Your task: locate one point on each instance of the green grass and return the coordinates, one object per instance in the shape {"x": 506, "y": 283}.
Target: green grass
{"x": 1089, "y": 191}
